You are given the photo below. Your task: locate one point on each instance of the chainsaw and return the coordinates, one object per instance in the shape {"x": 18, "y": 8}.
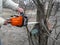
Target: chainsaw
{"x": 20, "y": 20}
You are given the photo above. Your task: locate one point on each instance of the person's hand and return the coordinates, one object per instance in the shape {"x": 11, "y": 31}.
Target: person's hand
{"x": 20, "y": 10}
{"x": 6, "y": 22}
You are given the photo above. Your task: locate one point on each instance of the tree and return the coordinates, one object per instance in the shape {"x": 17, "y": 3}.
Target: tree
{"x": 42, "y": 16}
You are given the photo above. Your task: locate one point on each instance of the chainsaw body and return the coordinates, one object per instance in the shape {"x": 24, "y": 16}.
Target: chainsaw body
{"x": 18, "y": 20}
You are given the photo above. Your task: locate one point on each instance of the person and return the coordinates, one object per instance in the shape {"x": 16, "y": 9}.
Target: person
{"x": 9, "y": 4}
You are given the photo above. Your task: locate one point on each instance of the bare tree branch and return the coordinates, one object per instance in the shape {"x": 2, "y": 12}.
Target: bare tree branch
{"x": 39, "y": 5}
{"x": 35, "y": 2}
{"x": 50, "y": 6}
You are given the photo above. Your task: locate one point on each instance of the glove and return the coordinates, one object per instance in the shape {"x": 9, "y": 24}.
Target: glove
{"x": 20, "y": 10}
{"x": 2, "y": 21}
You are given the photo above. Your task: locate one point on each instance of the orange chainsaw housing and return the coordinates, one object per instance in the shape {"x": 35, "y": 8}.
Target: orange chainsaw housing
{"x": 17, "y": 21}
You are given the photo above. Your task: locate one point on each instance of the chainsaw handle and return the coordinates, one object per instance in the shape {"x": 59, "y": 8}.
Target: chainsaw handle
{"x": 25, "y": 18}
{"x": 21, "y": 13}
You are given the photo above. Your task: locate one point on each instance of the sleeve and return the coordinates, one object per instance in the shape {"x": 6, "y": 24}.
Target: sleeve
{"x": 10, "y": 4}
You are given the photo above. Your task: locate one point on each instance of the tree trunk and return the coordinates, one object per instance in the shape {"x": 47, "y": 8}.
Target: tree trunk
{"x": 42, "y": 37}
